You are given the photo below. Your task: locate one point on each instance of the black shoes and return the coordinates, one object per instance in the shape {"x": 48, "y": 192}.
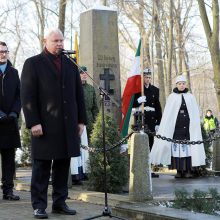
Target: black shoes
{"x": 188, "y": 175}
{"x": 11, "y": 196}
{"x": 40, "y": 214}
{"x": 77, "y": 182}
{"x": 184, "y": 174}
{"x": 63, "y": 209}
{"x": 154, "y": 175}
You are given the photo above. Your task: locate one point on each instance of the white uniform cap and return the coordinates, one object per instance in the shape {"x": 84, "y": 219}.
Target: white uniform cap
{"x": 147, "y": 71}
{"x": 180, "y": 78}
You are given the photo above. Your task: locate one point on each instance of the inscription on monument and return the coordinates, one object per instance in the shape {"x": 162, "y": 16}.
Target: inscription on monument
{"x": 106, "y": 61}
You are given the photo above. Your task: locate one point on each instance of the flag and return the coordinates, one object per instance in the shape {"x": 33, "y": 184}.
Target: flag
{"x": 76, "y": 49}
{"x": 133, "y": 85}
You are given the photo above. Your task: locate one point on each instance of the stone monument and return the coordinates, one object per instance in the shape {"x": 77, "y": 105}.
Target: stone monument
{"x": 99, "y": 52}
{"x": 140, "y": 183}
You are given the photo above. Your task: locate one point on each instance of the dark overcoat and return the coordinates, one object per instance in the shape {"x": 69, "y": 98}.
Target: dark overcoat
{"x": 55, "y": 100}
{"x": 181, "y": 131}
{"x": 152, "y": 118}
{"x": 10, "y": 102}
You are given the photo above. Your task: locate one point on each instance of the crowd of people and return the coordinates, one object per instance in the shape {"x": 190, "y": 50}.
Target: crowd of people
{"x": 57, "y": 105}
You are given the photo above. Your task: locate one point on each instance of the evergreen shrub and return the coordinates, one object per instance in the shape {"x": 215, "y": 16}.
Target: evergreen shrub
{"x": 116, "y": 163}
{"x": 26, "y": 145}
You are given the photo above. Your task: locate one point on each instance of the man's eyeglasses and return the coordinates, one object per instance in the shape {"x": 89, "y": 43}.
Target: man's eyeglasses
{"x": 4, "y": 51}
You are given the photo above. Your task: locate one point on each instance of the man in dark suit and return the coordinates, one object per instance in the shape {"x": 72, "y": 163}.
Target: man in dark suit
{"x": 10, "y": 107}
{"x": 152, "y": 107}
{"x": 54, "y": 110}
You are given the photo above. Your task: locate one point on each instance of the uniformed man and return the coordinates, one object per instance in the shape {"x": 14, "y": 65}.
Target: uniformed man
{"x": 152, "y": 107}
{"x": 90, "y": 100}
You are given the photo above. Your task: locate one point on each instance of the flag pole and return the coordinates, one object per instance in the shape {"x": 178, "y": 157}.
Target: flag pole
{"x": 142, "y": 78}
{"x": 71, "y": 26}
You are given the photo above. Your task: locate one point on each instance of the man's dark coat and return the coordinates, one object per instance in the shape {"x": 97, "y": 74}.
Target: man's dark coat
{"x": 152, "y": 118}
{"x": 55, "y": 100}
{"x": 10, "y": 102}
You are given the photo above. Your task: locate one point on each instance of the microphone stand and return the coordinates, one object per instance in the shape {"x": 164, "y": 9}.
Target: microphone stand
{"x": 103, "y": 93}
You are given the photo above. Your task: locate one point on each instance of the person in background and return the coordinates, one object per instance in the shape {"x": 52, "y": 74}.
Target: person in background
{"x": 10, "y": 107}
{"x": 90, "y": 100}
{"x": 54, "y": 110}
{"x": 210, "y": 122}
{"x": 180, "y": 121}
{"x": 152, "y": 107}
{"x": 79, "y": 164}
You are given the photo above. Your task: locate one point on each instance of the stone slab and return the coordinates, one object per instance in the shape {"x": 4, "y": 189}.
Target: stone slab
{"x": 143, "y": 211}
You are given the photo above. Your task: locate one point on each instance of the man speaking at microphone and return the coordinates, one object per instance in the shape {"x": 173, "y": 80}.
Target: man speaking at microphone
{"x": 54, "y": 110}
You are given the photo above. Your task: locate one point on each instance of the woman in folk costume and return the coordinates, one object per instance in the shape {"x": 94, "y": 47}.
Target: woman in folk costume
{"x": 180, "y": 121}
{"x": 79, "y": 165}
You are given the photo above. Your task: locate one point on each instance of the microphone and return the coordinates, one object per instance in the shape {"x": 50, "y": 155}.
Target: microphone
{"x": 62, "y": 51}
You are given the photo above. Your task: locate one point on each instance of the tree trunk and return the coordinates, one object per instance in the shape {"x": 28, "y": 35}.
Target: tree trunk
{"x": 186, "y": 69}
{"x": 62, "y": 12}
{"x": 170, "y": 48}
{"x": 159, "y": 52}
{"x": 179, "y": 30}
{"x": 147, "y": 59}
{"x": 212, "y": 36}
{"x": 39, "y": 4}
{"x": 175, "y": 63}
{"x": 16, "y": 52}
{"x": 104, "y": 2}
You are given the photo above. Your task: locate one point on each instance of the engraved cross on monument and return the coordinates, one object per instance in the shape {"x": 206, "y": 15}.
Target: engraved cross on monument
{"x": 107, "y": 77}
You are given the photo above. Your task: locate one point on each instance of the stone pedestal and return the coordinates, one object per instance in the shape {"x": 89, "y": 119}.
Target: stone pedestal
{"x": 99, "y": 52}
{"x": 216, "y": 155}
{"x": 140, "y": 184}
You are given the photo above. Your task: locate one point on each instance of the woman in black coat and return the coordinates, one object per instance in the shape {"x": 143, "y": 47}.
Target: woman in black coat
{"x": 10, "y": 107}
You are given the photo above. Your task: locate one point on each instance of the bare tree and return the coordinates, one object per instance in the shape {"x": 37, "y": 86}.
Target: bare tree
{"x": 39, "y": 5}
{"x": 62, "y": 14}
{"x": 170, "y": 49}
{"x": 212, "y": 36}
{"x": 186, "y": 68}
{"x": 175, "y": 48}
{"x": 135, "y": 12}
{"x": 19, "y": 38}
{"x": 159, "y": 59}
{"x": 104, "y": 2}
{"x": 181, "y": 20}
